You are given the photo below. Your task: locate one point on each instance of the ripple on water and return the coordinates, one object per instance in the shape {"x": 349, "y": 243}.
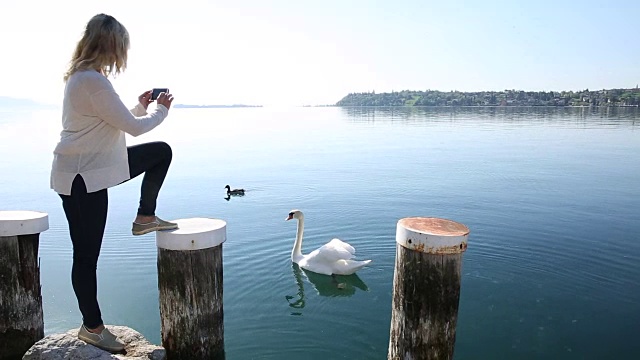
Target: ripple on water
{"x": 553, "y": 258}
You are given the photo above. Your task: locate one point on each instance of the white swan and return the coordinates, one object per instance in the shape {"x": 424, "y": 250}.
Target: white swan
{"x": 334, "y": 257}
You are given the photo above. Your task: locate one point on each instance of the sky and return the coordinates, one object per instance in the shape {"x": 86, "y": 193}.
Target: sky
{"x": 297, "y": 52}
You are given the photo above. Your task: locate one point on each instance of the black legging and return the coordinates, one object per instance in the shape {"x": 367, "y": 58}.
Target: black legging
{"x": 87, "y": 217}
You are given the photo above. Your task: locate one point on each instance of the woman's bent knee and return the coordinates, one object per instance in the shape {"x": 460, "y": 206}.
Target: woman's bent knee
{"x": 164, "y": 150}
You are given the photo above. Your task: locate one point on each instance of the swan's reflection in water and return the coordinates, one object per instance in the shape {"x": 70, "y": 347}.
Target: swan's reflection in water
{"x": 325, "y": 285}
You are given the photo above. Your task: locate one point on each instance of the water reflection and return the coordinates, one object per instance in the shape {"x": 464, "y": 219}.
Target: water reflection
{"x": 229, "y": 196}
{"x": 329, "y": 286}
{"x": 600, "y": 115}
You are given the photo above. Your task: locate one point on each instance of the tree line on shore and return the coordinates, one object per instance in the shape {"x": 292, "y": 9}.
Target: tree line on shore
{"x": 611, "y": 97}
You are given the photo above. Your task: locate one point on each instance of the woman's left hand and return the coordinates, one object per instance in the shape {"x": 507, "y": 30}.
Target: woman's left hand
{"x": 145, "y": 99}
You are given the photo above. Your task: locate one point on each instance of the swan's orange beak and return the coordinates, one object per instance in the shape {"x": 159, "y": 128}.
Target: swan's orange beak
{"x": 289, "y": 217}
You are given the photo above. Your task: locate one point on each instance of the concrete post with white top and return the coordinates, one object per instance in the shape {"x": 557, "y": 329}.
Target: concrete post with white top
{"x": 21, "y": 319}
{"x": 426, "y": 288}
{"x": 190, "y": 287}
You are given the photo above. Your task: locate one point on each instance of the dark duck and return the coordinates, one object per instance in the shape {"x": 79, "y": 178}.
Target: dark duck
{"x": 234, "y": 192}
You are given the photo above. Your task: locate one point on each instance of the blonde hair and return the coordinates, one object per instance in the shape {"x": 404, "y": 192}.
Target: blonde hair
{"x": 103, "y": 47}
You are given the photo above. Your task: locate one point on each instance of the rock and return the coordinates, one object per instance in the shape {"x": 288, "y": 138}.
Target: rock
{"x": 67, "y": 347}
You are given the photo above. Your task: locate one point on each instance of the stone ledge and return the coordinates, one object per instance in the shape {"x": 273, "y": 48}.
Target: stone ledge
{"x": 67, "y": 346}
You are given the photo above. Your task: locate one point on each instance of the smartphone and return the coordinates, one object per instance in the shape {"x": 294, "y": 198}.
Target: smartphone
{"x": 156, "y": 92}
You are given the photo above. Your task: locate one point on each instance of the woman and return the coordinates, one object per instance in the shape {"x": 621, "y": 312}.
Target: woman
{"x": 92, "y": 156}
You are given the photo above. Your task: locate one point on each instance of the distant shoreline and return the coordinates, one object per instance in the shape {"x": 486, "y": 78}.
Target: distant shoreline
{"x": 481, "y": 106}
{"x": 583, "y": 98}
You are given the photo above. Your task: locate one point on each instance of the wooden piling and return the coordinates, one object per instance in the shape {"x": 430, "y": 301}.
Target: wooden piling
{"x": 426, "y": 288}
{"x": 190, "y": 289}
{"x": 21, "y": 318}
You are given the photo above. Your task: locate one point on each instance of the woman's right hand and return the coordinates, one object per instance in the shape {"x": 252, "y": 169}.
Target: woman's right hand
{"x": 165, "y": 99}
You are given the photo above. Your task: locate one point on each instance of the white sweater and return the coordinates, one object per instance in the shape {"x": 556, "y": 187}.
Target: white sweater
{"x": 92, "y": 141}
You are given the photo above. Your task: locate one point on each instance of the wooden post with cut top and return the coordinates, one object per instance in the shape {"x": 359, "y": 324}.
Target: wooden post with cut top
{"x": 190, "y": 289}
{"x": 426, "y": 288}
{"x": 21, "y": 318}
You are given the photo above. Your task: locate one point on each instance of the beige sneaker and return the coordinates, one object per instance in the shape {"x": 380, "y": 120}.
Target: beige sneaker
{"x": 157, "y": 224}
{"x": 105, "y": 340}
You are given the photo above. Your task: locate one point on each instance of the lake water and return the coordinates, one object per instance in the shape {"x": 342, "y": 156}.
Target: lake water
{"x": 551, "y": 196}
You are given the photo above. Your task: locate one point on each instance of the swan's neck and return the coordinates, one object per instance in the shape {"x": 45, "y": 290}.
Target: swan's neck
{"x": 296, "y": 253}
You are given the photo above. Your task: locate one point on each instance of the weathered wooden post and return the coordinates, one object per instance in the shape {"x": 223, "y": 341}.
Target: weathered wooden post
{"x": 190, "y": 287}
{"x": 426, "y": 288}
{"x": 21, "y": 318}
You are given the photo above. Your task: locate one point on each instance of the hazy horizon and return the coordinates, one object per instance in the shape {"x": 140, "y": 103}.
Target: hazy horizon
{"x": 27, "y": 101}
